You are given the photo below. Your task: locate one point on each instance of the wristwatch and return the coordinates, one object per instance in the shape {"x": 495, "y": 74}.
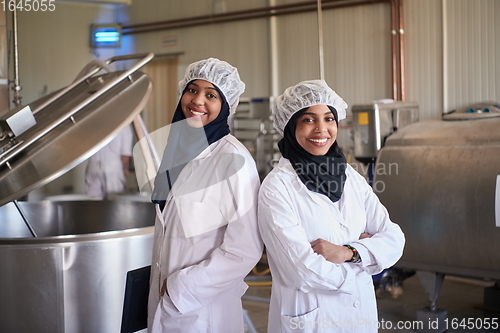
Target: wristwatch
{"x": 355, "y": 254}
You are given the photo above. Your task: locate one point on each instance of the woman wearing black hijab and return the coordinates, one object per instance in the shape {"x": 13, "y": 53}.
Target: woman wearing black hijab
{"x": 324, "y": 229}
{"x": 206, "y": 235}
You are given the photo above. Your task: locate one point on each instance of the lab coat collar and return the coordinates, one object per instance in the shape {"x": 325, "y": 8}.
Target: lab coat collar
{"x": 323, "y": 201}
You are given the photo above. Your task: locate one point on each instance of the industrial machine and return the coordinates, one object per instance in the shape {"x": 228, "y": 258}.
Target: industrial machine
{"x": 252, "y": 125}
{"x": 63, "y": 265}
{"x": 374, "y": 122}
{"x": 440, "y": 181}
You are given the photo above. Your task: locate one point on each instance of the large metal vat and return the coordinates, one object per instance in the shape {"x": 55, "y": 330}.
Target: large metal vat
{"x": 438, "y": 180}
{"x": 71, "y": 278}
{"x": 63, "y": 265}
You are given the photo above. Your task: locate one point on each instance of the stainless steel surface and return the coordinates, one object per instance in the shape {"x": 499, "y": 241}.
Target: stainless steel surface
{"x": 63, "y": 265}
{"x": 374, "y": 122}
{"x": 474, "y": 111}
{"x": 432, "y": 283}
{"x": 82, "y": 96}
{"x": 437, "y": 179}
{"x": 72, "y": 128}
{"x": 72, "y": 277}
{"x": 25, "y": 218}
{"x": 17, "y": 121}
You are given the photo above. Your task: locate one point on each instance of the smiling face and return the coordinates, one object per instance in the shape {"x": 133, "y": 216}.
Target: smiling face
{"x": 316, "y": 130}
{"x": 201, "y": 103}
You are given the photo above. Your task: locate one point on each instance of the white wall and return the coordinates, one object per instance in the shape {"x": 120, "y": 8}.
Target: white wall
{"x": 55, "y": 46}
{"x": 243, "y": 44}
{"x": 471, "y": 66}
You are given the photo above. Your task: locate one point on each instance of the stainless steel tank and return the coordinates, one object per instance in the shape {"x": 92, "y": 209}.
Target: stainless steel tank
{"x": 71, "y": 278}
{"x": 63, "y": 265}
{"x": 374, "y": 122}
{"x": 438, "y": 180}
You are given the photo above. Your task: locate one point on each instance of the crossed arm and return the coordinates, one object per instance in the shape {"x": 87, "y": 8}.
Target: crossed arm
{"x": 332, "y": 252}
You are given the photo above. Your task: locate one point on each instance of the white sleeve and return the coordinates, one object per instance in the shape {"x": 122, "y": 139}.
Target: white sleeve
{"x": 287, "y": 244}
{"x": 126, "y": 138}
{"x": 385, "y": 247}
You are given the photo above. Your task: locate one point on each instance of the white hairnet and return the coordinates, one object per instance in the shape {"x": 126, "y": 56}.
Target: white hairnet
{"x": 219, "y": 73}
{"x": 303, "y": 95}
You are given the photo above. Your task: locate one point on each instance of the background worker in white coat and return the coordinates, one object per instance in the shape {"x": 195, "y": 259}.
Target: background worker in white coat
{"x": 107, "y": 170}
{"x": 324, "y": 229}
{"x": 206, "y": 234}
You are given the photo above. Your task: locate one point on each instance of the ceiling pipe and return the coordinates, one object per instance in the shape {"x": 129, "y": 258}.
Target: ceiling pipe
{"x": 397, "y": 30}
{"x": 249, "y": 14}
{"x": 217, "y": 16}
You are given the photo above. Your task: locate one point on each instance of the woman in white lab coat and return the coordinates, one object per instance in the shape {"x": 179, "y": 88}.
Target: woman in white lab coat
{"x": 324, "y": 229}
{"x": 206, "y": 235}
{"x": 107, "y": 170}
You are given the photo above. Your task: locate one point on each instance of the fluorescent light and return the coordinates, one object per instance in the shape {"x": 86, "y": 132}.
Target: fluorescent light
{"x": 105, "y": 35}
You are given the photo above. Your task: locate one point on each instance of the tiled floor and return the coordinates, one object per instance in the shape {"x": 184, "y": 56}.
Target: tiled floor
{"x": 462, "y": 298}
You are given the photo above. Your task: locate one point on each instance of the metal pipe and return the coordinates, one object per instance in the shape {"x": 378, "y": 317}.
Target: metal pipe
{"x": 274, "y": 56}
{"x": 143, "y": 133}
{"x": 151, "y": 158}
{"x": 243, "y": 15}
{"x": 396, "y": 7}
{"x": 444, "y": 11}
{"x": 64, "y": 91}
{"x": 320, "y": 42}
{"x": 222, "y": 15}
{"x": 129, "y": 57}
{"x": 394, "y": 51}
{"x": 401, "y": 49}
{"x": 25, "y": 219}
{"x": 17, "y": 87}
{"x": 80, "y": 106}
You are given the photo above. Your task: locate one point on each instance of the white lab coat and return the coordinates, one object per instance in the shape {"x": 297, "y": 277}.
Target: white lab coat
{"x": 206, "y": 241}
{"x": 104, "y": 171}
{"x": 309, "y": 293}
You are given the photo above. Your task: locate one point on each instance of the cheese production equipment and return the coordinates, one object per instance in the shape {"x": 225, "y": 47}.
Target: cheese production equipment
{"x": 63, "y": 265}
{"x": 253, "y": 126}
{"x": 374, "y": 122}
{"x": 440, "y": 181}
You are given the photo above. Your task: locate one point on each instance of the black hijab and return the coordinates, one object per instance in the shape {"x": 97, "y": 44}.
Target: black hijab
{"x": 184, "y": 144}
{"x": 322, "y": 174}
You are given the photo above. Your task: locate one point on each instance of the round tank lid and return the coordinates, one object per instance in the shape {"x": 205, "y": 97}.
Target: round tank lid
{"x": 475, "y": 111}
{"x": 71, "y": 128}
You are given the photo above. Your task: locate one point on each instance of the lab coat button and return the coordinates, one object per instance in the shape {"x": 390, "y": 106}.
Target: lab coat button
{"x": 356, "y": 304}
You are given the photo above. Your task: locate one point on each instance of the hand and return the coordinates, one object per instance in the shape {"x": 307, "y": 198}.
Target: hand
{"x": 334, "y": 253}
{"x": 365, "y": 235}
{"x": 125, "y": 163}
{"x": 163, "y": 289}
{"x": 126, "y": 173}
